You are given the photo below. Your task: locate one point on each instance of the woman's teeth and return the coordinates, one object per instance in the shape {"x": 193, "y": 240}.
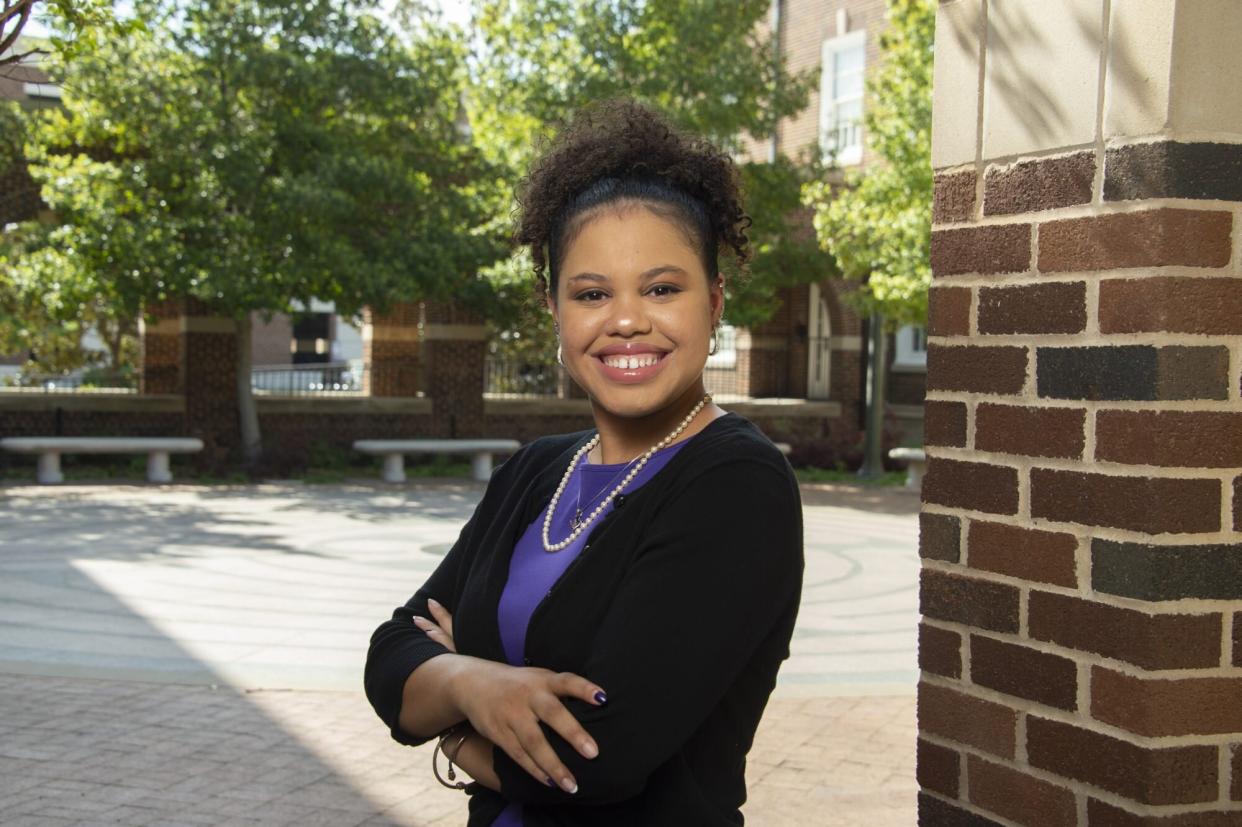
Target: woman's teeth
{"x": 631, "y": 362}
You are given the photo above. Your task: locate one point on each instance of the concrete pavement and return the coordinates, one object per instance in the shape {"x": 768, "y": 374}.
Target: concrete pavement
{"x": 188, "y": 654}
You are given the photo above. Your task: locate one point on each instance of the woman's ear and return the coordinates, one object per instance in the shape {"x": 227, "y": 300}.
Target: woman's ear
{"x": 717, "y": 299}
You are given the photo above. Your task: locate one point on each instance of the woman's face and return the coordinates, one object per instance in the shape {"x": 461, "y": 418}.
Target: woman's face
{"x": 636, "y": 311}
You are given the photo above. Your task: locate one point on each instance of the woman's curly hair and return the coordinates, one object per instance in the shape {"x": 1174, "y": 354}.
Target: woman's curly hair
{"x": 618, "y": 151}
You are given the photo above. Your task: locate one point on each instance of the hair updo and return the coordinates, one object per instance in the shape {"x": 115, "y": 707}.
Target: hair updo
{"x": 619, "y": 152}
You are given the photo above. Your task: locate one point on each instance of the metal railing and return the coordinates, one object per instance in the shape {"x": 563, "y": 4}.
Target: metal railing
{"x": 87, "y": 381}
{"x": 327, "y": 379}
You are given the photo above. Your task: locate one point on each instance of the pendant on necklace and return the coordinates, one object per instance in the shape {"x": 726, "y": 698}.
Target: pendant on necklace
{"x": 576, "y": 520}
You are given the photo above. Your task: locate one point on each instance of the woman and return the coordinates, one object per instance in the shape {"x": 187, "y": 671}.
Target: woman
{"x": 598, "y": 646}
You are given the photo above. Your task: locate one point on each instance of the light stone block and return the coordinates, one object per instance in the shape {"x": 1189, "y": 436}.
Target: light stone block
{"x": 1206, "y": 95}
{"x": 1140, "y": 48}
{"x": 1041, "y": 84}
{"x": 955, "y": 84}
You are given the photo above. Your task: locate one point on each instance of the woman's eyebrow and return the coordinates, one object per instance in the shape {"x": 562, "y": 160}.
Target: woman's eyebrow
{"x": 647, "y": 274}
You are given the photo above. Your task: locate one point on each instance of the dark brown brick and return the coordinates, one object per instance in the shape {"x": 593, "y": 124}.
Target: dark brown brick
{"x": 940, "y": 651}
{"x": 974, "y": 485}
{"x": 1152, "y": 641}
{"x": 1189, "y": 439}
{"x": 1032, "y": 432}
{"x": 1033, "y": 186}
{"x": 969, "y": 600}
{"x": 1014, "y": 795}
{"x": 984, "y": 725}
{"x": 1237, "y": 639}
{"x": 1170, "y": 775}
{"x": 1055, "y": 307}
{"x": 1024, "y": 672}
{"x": 1209, "y": 306}
{"x": 944, "y": 423}
{"x": 1151, "y": 238}
{"x": 1132, "y": 372}
{"x": 1144, "y": 571}
{"x": 980, "y": 369}
{"x": 1100, "y": 814}
{"x": 954, "y": 197}
{"x": 1237, "y": 503}
{"x": 940, "y": 537}
{"x": 1235, "y": 791}
{"x": 1170, "y": 169}
{"x": 1147, "y": 504}
{"x": 1158, "y": 707}
{"x": 938, "y": 768}
{"x": 948, "y": 311}
{"x": 936, "y": 813}
{"x": 1030, "y": 554}
{"x": 992, "y": 249}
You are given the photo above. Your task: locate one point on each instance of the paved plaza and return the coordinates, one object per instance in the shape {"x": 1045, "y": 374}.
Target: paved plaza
{"x": 192, "y": 655}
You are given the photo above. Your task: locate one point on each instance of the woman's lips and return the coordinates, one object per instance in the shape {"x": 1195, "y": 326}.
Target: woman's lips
{"x": 628, "y": 375}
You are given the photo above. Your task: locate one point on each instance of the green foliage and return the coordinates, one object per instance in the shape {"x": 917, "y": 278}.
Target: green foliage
{"x": 879, "y": 227}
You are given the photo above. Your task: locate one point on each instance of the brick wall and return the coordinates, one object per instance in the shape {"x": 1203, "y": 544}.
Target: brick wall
{"x": 1081, "y": 535}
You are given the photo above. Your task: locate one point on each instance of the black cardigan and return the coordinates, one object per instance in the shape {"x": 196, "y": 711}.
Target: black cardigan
{"x": 681, "y": 606}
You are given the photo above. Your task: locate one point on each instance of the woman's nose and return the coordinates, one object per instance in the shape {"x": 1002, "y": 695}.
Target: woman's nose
{"x": 628, "y": 315}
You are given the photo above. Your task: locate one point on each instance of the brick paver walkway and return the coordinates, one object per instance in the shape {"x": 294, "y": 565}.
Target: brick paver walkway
{"x": 186, "y": 655}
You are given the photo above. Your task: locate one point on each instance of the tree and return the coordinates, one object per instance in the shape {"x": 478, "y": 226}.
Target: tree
{"x": 71, "y": 20}
{"x": 878, "y": 227}
{"x": 252, "y": 155}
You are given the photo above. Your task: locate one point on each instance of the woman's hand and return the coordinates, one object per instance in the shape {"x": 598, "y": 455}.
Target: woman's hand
{"x": 441, "y": 631}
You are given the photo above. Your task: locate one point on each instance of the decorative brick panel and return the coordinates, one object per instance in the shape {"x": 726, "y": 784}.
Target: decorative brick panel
{"x": 1034, "y": 432}
{"x": 1039, "y": 185}
{"x": 944, "y": 423}
{"x": 1024, "y": 672}
{"x": 954, "y": 197}
{"x": 1152, "y": 641}
{"x": 1019, "y": 797}
{"x": 1151, "y": 238}
{"x": 1057, "y": 307}
{"x": 1171, "y": 304}
{"x": 1029, "y": 554}
{"x": 940, "y": 537}
{"x": 938, "y": 768}
{"x": 1169, "y": 169}
{"x": 984, "y": 725}
{"x": 1156, "y": 707}
{"x": 973, "y": 485}
{"x": 948, "y": 311}
{"x": 1163, "y": 572}
{"x": 988, "y": 250}
{"x": 1188, "y": 439}
{"x": 940, "y": 651}
{"x": 1170, "y": 775}
{"x": 1155, "y": 505}
{"x": 1132, "y": 372}
{"x": 984, "y": 604}
{"x": 998, "y": 369}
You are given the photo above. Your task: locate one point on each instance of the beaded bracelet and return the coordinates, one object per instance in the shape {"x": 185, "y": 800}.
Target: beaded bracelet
{"x": 451, "y": 757}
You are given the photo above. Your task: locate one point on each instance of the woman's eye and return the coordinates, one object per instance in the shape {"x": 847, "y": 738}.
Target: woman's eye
{"x": 590, "y": 295}
{"x": 664, "y": 290}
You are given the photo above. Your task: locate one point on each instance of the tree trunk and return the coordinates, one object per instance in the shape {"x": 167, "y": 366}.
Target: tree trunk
{"x": 877, "y": 369}
{"x": 252, "y": 439}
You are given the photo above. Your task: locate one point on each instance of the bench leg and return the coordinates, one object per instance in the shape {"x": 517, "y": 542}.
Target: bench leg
{"x": 49, "y": 469}
{"x": 157, "y": 467}
{"x": 482, "y": 466}
{"x": 914, "y": 475}
{"x": 394, "y": 468}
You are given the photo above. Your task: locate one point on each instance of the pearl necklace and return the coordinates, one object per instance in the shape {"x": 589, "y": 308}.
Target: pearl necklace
{"x": 550, "y": 546}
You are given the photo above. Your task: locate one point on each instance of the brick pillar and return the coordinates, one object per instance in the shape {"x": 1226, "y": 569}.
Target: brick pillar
{"x": 455, "y": 345}
{"x": 391, "y": 350}
{"x": 161, "y": 348}
{"x": 1081, "y": 534}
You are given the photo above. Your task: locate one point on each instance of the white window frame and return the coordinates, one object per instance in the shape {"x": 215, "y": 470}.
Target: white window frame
{"x": 827, "y": 104}
{"x": 911, "y": 352}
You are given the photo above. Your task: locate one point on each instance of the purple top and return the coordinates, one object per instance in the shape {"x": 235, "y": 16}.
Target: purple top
{"x": 533, "y": 571}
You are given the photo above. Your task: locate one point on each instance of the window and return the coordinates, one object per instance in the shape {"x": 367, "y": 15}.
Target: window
{"x": 911, "y": 348}
{"x": 841, "y": 97}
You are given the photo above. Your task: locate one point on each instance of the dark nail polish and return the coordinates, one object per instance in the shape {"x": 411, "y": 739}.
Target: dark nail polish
{"x": 549, "y": 782}
{"x": 601, "y": 698}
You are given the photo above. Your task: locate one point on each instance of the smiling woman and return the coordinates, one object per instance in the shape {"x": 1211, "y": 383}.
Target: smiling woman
{"x": 599, "y": 645}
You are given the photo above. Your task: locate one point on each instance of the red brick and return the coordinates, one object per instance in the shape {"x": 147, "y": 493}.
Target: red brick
{"x": 944, "y": 423}
{"x": 1188, "y": 439}
{"x": 940, "y": 651}
{"x": 1003, "y": 248}
{"x": 1209, "y": 306}
{"x": 972, "y": 721}
{"x": 938, "y": 768}
{"x": 973, "y": 485}
{"x": 1152, "y": 238}
{"x": 1024, "y": 672}
{"x": 940, "y": 537}
{"x": 1158, "y": 707}
{"x": 1169, "y": 775}
{"x": 1152, "y": 641}
{"x": 1151, "y": 505}
{"x": 948, "y": 311}
{"x": 1032, "y": 432}
{"x": 1034, "y": 186}
{"x": 1026, "y": 553}
{"x": 1014, "y": 795}
{"x": 1100, "y": 814}
{"x": 933, "y": 812}
{"x": 1055, "y": 307}
{"x": 980, "y": 369}
{"x": 968, "y": 600}
{"x": 953, "y": 198}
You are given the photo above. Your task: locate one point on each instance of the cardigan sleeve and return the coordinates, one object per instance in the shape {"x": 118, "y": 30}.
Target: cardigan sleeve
{"x": 719, "y": 568}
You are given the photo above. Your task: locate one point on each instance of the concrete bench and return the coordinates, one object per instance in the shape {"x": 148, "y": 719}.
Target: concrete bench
{"x": 394, "y": 450}
{"x": 916, "y": 464}
{"x": 49, "y": 449}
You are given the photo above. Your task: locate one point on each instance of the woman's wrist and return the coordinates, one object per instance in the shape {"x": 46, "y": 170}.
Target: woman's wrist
{"x": 475, "y": 758}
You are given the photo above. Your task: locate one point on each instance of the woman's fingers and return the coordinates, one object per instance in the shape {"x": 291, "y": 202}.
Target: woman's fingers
{"x": 435, "y": 633}
{"x": 569, "y": 685}
{"x": 549, "y": 765}
{"x": 566, "y": 725}
{"x": 441, "y": 615}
